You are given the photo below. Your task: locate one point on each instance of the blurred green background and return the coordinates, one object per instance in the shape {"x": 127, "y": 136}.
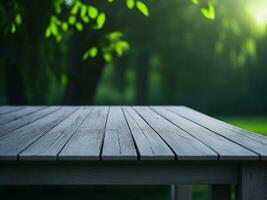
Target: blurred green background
{"x": 51, "y": 54}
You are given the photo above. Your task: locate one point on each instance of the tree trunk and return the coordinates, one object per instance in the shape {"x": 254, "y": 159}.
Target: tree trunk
{"x": 14, "y": 84}
{"x": 83, "y": 76}
{"x": 15, "y": 90}
{"x": 142, "y": 78}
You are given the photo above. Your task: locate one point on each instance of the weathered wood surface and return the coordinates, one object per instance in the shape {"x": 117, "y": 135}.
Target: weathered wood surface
{"x": 148, "y": 142}
{"x": 118, "y": 141}
{"x": 87, "y": 141}
{"x": 183, "y": 144}
{"x": 122, "y": 133}
{"x": 251, "y": 141}
{"x": 226, "y": 149}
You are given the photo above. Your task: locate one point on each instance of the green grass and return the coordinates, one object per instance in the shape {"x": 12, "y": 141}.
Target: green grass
{"x": 256, "y": 124}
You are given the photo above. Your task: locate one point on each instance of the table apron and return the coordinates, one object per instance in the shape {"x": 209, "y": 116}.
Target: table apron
{"x": 114, "y": 173}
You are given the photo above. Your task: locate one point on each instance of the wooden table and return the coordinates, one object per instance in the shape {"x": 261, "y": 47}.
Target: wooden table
{"x": 75, "y": 145}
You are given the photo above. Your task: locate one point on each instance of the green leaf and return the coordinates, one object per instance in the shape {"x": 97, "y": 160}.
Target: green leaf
{"x": 54, "y": 30}
{"x": 75, "y": 8}
{"x": 72, "y": 20}
{"x": 100, "y": 20}
{"x": 212, "y": 11}
{"x": 209, "y": 13}
{"x": 92, "y": 52}
{"x": 142, "y": 8}
{"x": 110, "y": 1}
{"x": 59, "y": 38}
{"x": 107, "y": 57}
{"x": 64, "y": 26}
{"x": 114, "y": 35}
{"x": 47, "y": 32}
{"x": 83, "y": 11}
{"x": 13, "y": 28}
{"x": 86, "y": 19}
{"x": 18, "y": 19}
{"x": 121, "y": 47}
{"x": 85, "y": 55}
{"x": 79, "y": 26}
{"x": 130, "y": 3}
{"x": 92, "y": 12}
{"x": 195, "y": 1}
{"x": 205, "y": 12}
{"x": 58, "y": 8}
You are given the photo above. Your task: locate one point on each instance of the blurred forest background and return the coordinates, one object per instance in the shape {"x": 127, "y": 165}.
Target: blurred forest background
{"x": 176, "y": 56}
{"x": 173, "y": 56}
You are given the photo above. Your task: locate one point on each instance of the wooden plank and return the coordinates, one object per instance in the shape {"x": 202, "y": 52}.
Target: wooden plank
{"x": 48, "y": 146}
{"x": 13, "y": 125}
{"x": 118, "y": 141}
{"x": 252, "y": 182}
{"x": 250, "y": 141}
{"x": 183, "y": 144}
{"x": 226, "y": 149}
{"x": 228, "y": 126}
{"x": 18, "y": 114}
{"x": 115, "y": 172}
{"x": 87, "y": 141}
{"x": 149, "y": 143}
{"x": 16, "y": 141}
{"x": 8, "y": 109}
{"x": 220, "y": 192}
{"x": 181, "y": 192}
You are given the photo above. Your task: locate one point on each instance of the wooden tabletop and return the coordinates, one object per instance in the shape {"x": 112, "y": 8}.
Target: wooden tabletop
{"x": 122, "y": 133}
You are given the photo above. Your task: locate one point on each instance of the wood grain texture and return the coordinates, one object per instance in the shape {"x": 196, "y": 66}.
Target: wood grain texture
{"x": 183, "y": 144}
{"x": 149, "y": 143}
{"x": 16, "y": 141}
{"x": 248, "y": 140}
{"x": 123, "y": 133}
{"x": 49, "y": 145}
{"x": 9, "y": 109}
{"x": 226, "y": 149}
{"x": 18, "y": 114}
{"x": 13, "y": 125}
{"x": 87, "y": 141}
{"x": 118, "y": 141}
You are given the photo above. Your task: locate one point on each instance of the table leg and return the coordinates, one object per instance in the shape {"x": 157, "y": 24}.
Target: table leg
{"x": 252, "y": 182}
{"x": 220, "y": 192}
{"x": 181, "y": 192}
